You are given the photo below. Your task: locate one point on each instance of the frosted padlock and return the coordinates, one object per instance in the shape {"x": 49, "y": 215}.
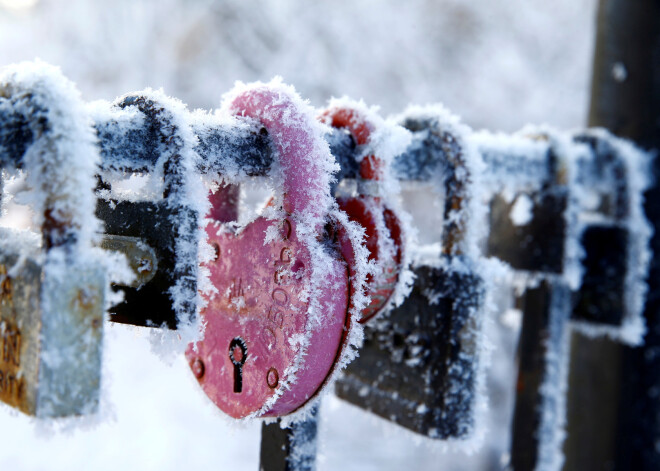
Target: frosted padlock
{"x": 536, "y": 242}
{"x": 282, "y": 317}
{"x": 614, "y": 239}
{"x": 53, "y": 285}
{"x": 369, "y": 209}
{"x": 418, "y": 366}
{"x": 158, "y": 234}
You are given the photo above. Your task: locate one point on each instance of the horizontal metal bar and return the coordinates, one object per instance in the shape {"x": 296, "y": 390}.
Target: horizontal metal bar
{"x": 127, "y": 143}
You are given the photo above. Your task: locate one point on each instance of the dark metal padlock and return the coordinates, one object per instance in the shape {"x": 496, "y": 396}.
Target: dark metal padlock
{"x": 284, "y": 314}
{"x": 53, "y": 288}
{"x": 419, "y": 364}
{"x": 159, "y": 237}
{"x": 615, "y": 238}
{"x": 535, "y": 242}
{"x": 370, "y": 208}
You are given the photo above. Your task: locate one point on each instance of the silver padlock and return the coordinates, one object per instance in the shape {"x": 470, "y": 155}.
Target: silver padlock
{"x": 53, "y": 287}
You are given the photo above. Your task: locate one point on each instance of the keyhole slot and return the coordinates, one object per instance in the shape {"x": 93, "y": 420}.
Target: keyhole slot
{"x": 238, "y": 355}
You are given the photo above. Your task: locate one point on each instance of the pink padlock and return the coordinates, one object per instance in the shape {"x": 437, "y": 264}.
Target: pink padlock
{"x": 281, "y": 318}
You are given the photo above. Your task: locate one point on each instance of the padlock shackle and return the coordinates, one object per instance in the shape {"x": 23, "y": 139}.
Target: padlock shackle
{"x": 361, "y": 129}
{"x": 161, "y": 123}
{"x": 304, "y": 174}
{"x": 55, "y": 144}
{"x": 174, "y": 157}
{"x": 457, "y": 178}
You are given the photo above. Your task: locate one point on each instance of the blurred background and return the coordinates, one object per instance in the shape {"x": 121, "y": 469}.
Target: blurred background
{"x": 497, "y": 64}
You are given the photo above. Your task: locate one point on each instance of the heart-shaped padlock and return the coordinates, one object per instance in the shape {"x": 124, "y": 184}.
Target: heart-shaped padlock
{"x": 280, "y": 321}
{"x": 383, "y": 228}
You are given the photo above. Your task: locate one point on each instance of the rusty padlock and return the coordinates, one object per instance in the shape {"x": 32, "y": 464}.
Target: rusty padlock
{"x": 370, "y": 209}
{"x": 53, "y": 288}
{"x": 284, "y": 315}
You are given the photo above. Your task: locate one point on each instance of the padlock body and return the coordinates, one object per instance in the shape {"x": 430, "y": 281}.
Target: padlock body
{"x": 143, "y": 232}
{"x": 264, "y": 299}
{"x": 537, "y": 245}
{"x": 51, "y": 326}
{"x": 383, "y": 241}
{"x": 418, "y": 365}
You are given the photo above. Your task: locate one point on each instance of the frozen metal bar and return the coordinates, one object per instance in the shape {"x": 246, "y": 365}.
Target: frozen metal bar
{"x": 129, "y": 143}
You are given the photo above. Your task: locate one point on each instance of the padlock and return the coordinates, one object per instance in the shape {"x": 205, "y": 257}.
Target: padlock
{"x": 536, "y": 242}
{"x": 419, "y": 366}
{"x": 159, "y": 235}
{"x": 614, "y": 238}
{"x": 284, "y": 317}
{"x": 53, "y": 288}
{"x": 369, "y": 208}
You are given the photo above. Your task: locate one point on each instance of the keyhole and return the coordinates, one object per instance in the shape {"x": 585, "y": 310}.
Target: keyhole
{"x": 238, "y": 355}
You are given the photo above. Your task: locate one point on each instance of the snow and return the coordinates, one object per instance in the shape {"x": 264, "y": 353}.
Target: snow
{"x": 521, "y": 212}
{"x": 386, "y": 140}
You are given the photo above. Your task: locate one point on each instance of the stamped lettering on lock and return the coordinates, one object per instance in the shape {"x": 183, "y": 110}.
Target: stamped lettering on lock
{"x": 237, "y": 294}
{"x": 279, "y": 296}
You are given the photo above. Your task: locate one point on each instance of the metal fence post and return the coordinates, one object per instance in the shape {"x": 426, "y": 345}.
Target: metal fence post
{"x": 613, "y": 403}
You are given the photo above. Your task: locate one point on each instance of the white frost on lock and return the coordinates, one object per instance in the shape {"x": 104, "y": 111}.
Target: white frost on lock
{"x": 180, "y": 189}
{"x": 459, "y": 176}
{"x": 305, "y": 176}
{"x": 300, "y": 176}
{"x": 515, "y": 163}
{"x": 624, "y": 187}
{"x": 73, "y": 284}
{"x": 562, "y": 157}
{"x": 521, "y": 212}
{"x": 62, "y": 158}
{"x": 551, "y": 431}
{"x": 385, "y": 141}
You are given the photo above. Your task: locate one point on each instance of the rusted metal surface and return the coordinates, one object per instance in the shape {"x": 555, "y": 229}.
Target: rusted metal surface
{"x": 20, "y": 336}
{"x": 50, "y": 351}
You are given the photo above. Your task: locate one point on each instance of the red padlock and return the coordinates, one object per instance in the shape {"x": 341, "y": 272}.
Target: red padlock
{"x": 383, "y": 228}
{"x": 287, "y": 299}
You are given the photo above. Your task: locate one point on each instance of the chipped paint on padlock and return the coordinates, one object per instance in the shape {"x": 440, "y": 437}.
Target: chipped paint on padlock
{"x": 269, "y": 282}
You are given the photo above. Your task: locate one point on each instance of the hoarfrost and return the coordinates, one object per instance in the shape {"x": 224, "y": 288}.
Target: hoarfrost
{"x": 60, "y": 160}
{"x": 521, "y": 212}
{"x": 300, "y": 177}
{"x": 386, "y": 140}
